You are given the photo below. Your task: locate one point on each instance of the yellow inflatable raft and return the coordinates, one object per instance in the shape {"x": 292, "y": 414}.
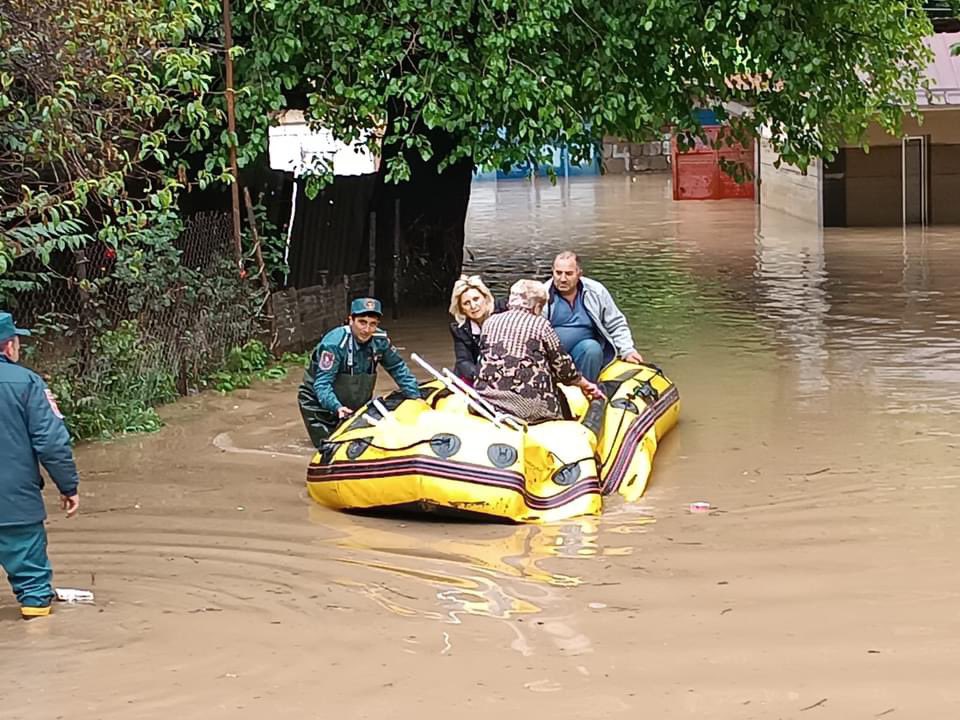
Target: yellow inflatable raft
{"x": 435, "y": 455}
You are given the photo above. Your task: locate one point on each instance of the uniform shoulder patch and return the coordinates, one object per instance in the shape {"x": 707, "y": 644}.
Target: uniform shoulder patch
{"x": 327, "y": 359}
{"x": 52, "y": 399}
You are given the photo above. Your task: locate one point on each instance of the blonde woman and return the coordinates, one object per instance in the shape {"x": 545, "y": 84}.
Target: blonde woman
{"x": 470, "y": 304}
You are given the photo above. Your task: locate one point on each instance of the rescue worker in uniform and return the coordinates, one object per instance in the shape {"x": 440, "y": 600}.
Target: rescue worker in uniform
{"x": 343, "y": 370}
{"x": 33, "y": 434}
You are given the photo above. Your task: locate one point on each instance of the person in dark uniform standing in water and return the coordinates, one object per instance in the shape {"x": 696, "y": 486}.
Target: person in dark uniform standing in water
{"x": 32, "y": 433}
{"x": 343, "y": 370}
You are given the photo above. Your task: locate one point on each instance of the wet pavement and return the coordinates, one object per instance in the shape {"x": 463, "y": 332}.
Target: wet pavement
{"x": 820, "y": 385}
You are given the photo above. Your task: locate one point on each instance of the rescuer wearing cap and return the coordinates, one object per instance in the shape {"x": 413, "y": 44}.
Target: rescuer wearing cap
{"x": 32, "y": 433}
{"x": 343, "y": 370}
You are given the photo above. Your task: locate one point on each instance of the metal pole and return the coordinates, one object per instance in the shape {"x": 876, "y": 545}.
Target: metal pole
{"x": 396, "y": 258}
{"x": 903, "y": 180}
{"x": 923, "y": 180}
{"x": 372, "y": 271}
{"x": 232, "y": 131}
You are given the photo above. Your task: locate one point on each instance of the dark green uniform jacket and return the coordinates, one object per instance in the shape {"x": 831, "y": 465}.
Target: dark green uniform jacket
{"x": 343, "y": 372}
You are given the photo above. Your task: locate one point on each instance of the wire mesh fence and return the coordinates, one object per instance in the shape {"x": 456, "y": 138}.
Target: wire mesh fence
{"x": 119, "y": 331}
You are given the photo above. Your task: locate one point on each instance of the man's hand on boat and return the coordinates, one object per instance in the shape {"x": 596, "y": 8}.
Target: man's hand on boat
{"x": 591, "y": 390}
{"x": 633, "y": 357}
{"x": 344, "y": 412}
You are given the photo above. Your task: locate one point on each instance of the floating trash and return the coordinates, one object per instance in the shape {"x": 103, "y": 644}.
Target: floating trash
{"x": 72, "y": 595}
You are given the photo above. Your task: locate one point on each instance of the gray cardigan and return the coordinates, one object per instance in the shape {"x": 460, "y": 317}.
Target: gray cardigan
{"x": 606, "y": 316}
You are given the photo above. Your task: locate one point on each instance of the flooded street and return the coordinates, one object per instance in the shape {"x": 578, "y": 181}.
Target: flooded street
{"x": 820, "y": 380}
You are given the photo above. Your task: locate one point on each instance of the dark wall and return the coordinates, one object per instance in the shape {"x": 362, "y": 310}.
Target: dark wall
{"x": 835, "y": 191}
{"x": 872, "y": 186}
{"x": 330, "y": 232}
{"x": 945, "y": 185}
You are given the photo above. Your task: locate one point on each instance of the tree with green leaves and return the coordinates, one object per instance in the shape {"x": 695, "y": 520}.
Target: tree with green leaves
{"x": 461, "y": 83}
{"x": 97, "y": 99}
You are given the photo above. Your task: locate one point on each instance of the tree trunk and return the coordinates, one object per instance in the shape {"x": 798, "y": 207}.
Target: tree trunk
{"x": 433, "y": 209}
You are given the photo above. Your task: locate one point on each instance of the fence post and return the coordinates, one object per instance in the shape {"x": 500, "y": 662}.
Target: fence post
{"x": 396, "y": 258}
{"x": 80, "y": 262}
{"x": 261, "y": 268}
{"x": 372, "y": 266}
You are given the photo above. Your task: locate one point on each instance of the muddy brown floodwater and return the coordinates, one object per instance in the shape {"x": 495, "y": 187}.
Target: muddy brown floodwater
{"x": 820, "y": 377}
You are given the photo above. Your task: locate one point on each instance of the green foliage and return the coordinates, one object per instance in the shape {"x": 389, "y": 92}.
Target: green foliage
{"x": 96, "y": 100}
{"x": 292, "y": 358}
{"x": 506, "y": 80}
{"x": 159, "y": 318}
{"x": 117, "y": 390}
{"x": 243, "y": 365}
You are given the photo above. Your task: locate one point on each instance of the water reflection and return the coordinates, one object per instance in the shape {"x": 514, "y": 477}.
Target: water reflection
{"x": 867, "y": 314}
{"x": 449, "y": 573}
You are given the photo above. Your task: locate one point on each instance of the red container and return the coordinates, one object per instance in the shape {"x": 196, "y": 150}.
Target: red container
{"x": 697, "y": 174}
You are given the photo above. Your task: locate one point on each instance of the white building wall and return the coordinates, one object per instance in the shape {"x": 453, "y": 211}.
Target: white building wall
{"x": 788, "y": 190}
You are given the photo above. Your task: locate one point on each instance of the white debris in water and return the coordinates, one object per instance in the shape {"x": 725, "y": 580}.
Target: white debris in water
{"x": 72, "y": 595}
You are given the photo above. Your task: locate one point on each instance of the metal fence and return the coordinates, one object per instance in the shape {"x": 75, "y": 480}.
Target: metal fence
{"x": 117, "y": 336}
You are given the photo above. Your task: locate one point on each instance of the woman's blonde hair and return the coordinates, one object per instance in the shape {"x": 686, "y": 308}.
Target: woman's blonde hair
{"x": 471, "y": 282}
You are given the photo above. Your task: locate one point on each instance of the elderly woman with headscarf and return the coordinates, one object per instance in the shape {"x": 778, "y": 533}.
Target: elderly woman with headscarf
{"x": 470, "y": 304}
{"x": 522, "y": 361}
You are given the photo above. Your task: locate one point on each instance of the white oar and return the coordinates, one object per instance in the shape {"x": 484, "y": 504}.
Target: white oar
{"x": 469, "y": 391}
{"x": 481, "y": 410}
{"x": 516, "y": 423}
{"x": 380, "y": 408}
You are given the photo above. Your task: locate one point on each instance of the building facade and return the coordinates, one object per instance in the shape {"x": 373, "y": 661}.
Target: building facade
{"x": 913, "y": 179}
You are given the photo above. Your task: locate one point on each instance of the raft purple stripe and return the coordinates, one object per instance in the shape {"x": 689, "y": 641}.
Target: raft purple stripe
{"x": 377, "y": 469}
{"x": 635, "y": 433}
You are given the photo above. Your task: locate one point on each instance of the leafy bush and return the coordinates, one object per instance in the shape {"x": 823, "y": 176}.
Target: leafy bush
{"x": 243, "y": 365}
{"x": 97, "y": 100}
{"x": 116, "y": 390}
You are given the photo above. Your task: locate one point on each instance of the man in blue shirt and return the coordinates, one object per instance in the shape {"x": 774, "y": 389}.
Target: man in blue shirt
{"x": 33, "y": 434}
{"x": 590, "y": 325}
{"x": 343, "y": 370}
